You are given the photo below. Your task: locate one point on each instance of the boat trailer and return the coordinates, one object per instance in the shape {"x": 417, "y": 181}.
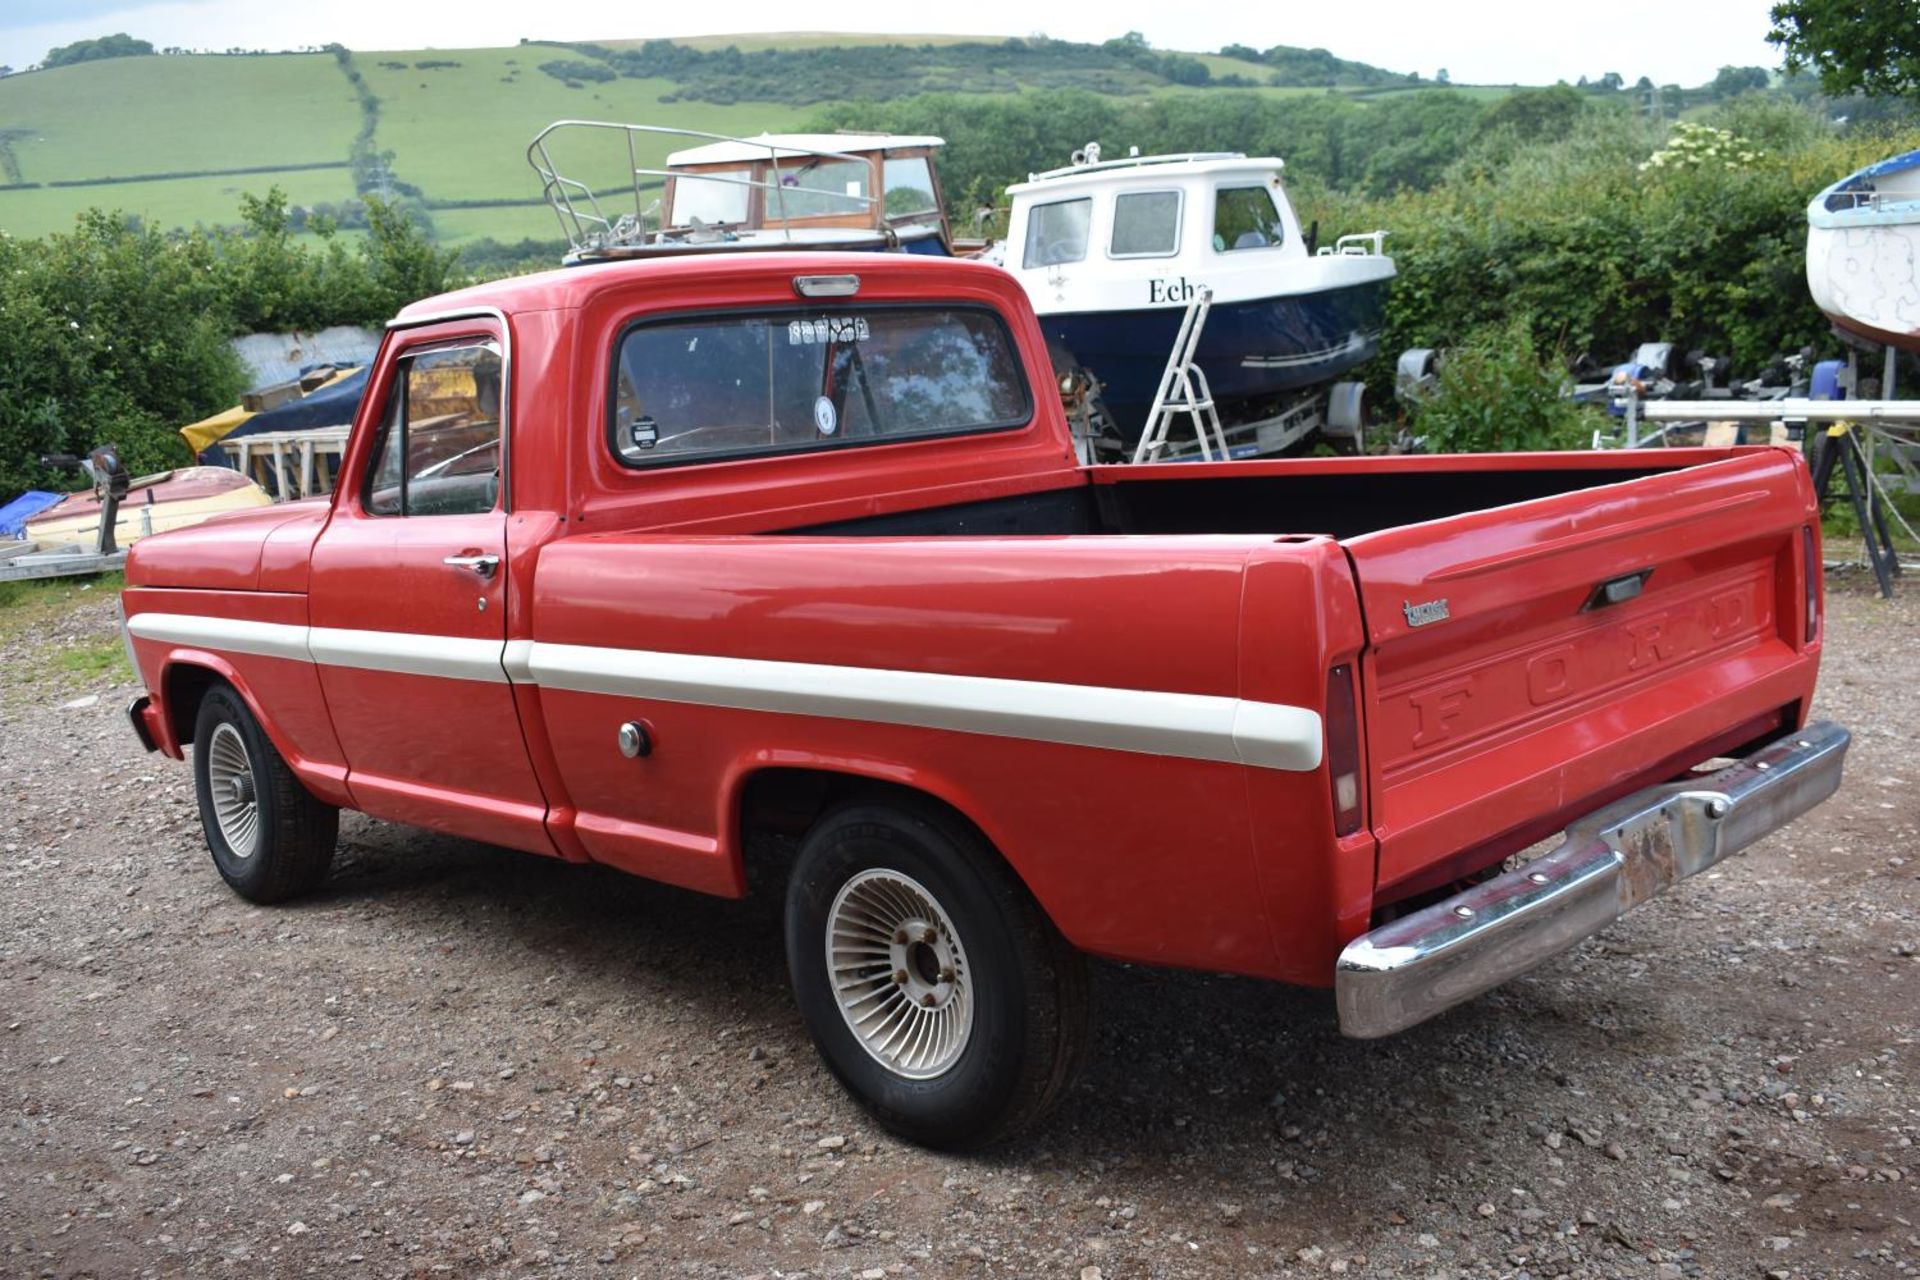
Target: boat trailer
{"x": 21, "y": 561}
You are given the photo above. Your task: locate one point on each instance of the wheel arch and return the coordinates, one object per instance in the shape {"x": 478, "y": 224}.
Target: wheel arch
{"x": 788, "y": 799}
{"x": 188, "y": 675}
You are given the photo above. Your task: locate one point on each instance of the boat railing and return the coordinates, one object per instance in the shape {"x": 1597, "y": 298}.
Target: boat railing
{"x": 1359, "y": 244}
{"x": 1087, "y": 160}
{"x": 590, "y": 229}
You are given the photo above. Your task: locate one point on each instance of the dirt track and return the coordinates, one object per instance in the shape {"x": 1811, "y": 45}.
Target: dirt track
{"x": 461, "y": 1061}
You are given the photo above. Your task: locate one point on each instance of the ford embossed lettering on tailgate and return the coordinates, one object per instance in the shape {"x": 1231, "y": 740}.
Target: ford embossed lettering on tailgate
{"x": 1592, "y": 656}
{"x": 1593, "y": 642}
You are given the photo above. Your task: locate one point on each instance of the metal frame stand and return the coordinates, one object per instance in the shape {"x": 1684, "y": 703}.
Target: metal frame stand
{"x": 1840, "y": 441}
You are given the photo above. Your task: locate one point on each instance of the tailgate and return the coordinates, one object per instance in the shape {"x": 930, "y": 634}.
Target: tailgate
{"x": 1528, "y": 663}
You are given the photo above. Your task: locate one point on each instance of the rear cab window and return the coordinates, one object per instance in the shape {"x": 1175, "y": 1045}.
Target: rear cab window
{"x": 438, "y": 451}
{"x": 787, "y": 380}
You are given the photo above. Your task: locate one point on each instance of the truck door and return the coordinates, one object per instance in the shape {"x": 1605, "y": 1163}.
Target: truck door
{"x": 407, "y": 602}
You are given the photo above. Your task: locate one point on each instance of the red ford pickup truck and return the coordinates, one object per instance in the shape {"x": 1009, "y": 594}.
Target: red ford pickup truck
{"x": 629, "y": 561}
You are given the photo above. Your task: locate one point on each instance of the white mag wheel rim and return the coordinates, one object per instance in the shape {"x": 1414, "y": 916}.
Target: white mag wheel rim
{"x": 236, "y": 805}
{"x": 899, "y": 974}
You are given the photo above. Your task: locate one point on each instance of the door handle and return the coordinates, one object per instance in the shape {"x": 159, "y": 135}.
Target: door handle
{"x": 486, "y": 564}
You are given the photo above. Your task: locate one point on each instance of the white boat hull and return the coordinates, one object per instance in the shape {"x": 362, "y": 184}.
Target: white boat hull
{"x": 1867, "y": 280}
{"x": 1863, "y": 252}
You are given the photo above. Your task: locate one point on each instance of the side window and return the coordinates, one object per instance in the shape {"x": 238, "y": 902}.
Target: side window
{"x": 1146, "y": 224}
{"x": 1245, "y": 218}
{"x": 909, "y": 186}
{"x": 439, "y": 448}
{"x": 1057, "y": 233}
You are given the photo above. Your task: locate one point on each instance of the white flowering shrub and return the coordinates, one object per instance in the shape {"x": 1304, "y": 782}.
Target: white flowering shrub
{"x": 1701, "y": 146}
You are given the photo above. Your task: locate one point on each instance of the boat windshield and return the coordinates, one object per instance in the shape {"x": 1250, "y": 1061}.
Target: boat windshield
{"x": 715, "y": 196}
{"x": 815, "y": 188}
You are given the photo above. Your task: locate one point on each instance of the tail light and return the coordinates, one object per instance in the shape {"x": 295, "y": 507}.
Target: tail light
{"x": 1811, "y": 562}
{"x": 1343, "y": 750}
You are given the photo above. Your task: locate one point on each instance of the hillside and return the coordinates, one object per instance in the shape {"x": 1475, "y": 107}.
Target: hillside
{"x": 189, "y": 134}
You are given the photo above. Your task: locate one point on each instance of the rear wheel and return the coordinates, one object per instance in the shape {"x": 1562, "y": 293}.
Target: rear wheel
{"x": 271, "y": 839}
{"x": 934, "y": 986}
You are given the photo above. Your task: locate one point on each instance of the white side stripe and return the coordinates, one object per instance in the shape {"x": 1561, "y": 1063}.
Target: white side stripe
{"x": 452, "y": 657}
{"x": 230, "y": 635}
{"x": 1196, "y": 726}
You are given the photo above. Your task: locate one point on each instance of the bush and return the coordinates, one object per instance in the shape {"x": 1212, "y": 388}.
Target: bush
{"x": 1498, "y": 393}
{"x": 110, "y": 334}
{"x": 1602, "y": 255}
{"x": 115, "y": 333}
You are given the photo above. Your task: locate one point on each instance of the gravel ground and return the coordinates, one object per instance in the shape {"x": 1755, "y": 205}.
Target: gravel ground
{"x": 462, "y": 1061}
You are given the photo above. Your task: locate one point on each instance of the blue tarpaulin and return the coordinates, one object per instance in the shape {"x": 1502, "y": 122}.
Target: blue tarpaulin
{"x": 14, "y": 516}
{"x": 330, "y": 406}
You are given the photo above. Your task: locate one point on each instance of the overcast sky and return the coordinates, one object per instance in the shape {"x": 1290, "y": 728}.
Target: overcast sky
{"x": 1492, "y": 41}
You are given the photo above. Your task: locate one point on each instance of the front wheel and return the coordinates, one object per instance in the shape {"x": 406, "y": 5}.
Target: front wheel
{"x": 935, "y": 988}
{"x": 271, "y": 839}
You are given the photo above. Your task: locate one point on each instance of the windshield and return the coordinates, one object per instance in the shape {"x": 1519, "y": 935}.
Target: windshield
{"x": 809, "y": 188}
{"x": 716, "y": 196}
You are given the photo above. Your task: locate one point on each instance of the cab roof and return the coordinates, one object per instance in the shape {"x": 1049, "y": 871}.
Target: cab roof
{"x": 798, "y": 146}
{"x": 572, "y": 287}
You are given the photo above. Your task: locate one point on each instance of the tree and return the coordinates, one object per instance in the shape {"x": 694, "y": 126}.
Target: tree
{"x": 1441, "y": 77}
{"x": 1734, "y": 81}
{"x": 1857, "y": 46}
{"x": 1534, "y": 115}
{"x": 118, "y": 45}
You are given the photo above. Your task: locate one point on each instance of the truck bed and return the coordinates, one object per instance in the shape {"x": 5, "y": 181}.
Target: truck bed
{"x": 1505, "y": 691}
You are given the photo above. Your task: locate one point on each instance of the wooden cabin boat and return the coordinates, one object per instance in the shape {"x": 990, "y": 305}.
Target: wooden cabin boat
{"x": 845, "y": 191}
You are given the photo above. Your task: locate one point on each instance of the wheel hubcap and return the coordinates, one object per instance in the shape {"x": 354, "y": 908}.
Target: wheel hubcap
{"x": 899, "y": 974}
{"x": 230, "y": 783}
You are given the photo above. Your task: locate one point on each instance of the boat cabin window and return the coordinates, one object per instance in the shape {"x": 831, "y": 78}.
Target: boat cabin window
{"x": 1245, "y": 218}
{"x": 792, "y": 381}
{"x": 719, "y": 198}
{"x": 1057, "y": 232}
{"x": 438, "y": 452}
{"x": 909, "y": 186}
{"x": 818, "y": 187}
{"x": 1146, "y": 224}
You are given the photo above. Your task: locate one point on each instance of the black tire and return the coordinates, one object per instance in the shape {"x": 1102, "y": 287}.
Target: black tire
{"x": 1027, "y": 986}
{"x": 293, "y": 833}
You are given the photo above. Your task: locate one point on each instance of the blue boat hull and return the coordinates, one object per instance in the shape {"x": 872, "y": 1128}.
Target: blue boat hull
{"x": 1251, "y": 351}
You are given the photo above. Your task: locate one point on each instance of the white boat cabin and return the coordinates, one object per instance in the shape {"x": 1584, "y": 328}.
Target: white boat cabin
{"x": 1146, "y": 232}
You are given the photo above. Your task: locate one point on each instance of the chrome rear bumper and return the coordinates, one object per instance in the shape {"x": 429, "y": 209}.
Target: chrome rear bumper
{"x": 1607, "y": 864}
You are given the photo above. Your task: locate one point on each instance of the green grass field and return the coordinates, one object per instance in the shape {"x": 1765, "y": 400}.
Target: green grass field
{"x": 458, "y": 133}
{"x": 461, "y": 133}
{"x": 176, "y": 202}
{"x": 169, "y": 115}
{"x": 805, "y": 40}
